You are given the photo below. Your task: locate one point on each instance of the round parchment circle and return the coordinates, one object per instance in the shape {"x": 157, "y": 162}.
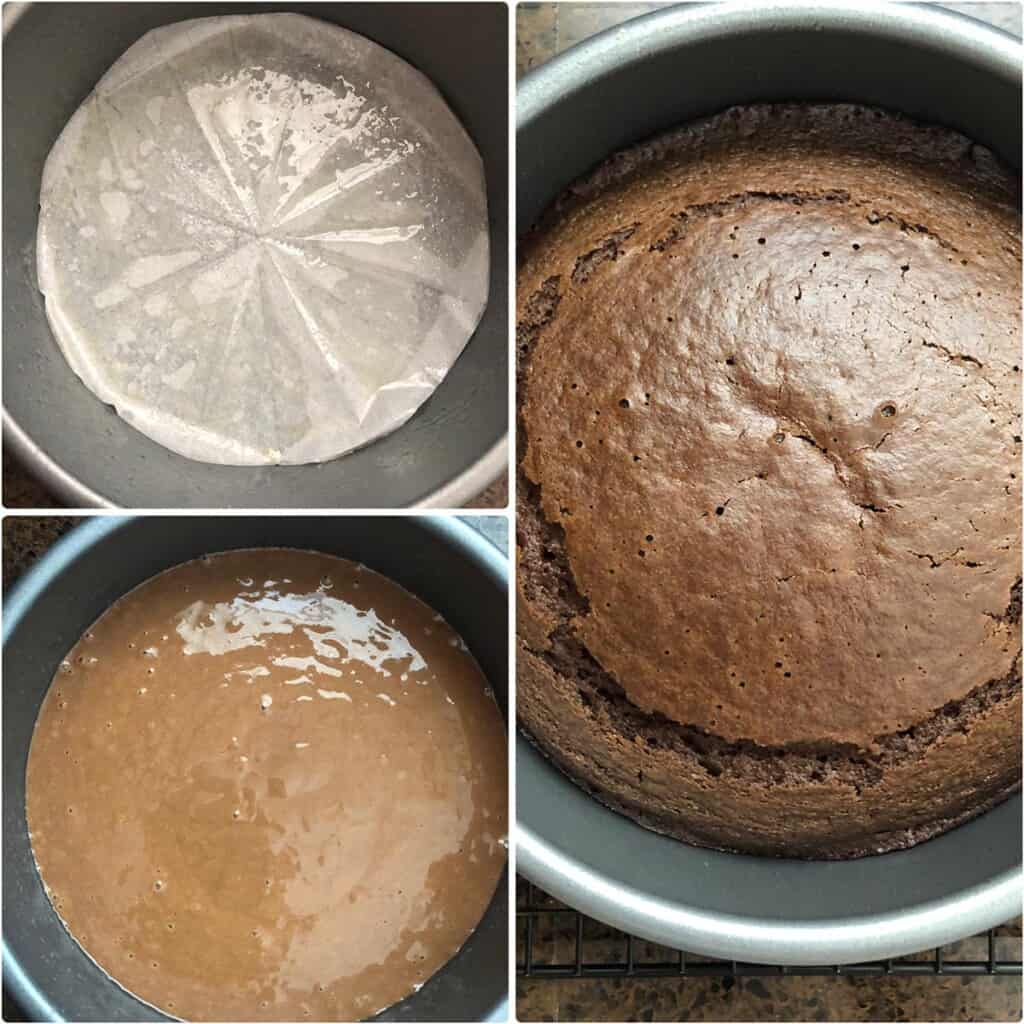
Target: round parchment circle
{"x": 263, "y": 239}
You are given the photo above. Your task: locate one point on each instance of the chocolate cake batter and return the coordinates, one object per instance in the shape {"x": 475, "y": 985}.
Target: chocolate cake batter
{"x": 769, "y": 515}
{"x": 269, "y": 785}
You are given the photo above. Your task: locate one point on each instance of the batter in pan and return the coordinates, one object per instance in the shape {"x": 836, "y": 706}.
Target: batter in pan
{"x": 269, "y": 785}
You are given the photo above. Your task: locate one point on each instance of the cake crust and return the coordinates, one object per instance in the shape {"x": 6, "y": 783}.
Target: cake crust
{"x": 769, "y": 513}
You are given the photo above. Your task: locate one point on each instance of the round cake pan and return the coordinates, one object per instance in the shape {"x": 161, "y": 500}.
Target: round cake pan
{"x": 78, "y": 447}
{"x": 443, "y": 561}
{"x": 630, "y": 82}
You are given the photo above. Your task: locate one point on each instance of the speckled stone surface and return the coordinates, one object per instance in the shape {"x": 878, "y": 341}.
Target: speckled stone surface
{"x": 542, "y": 30}
{"x": 496, "y": 496}
{"x": 25, "y": 538}
{"x": 844, "y": 998}
{"x": 784, "y": 999}
{"x": 21, "y": 489}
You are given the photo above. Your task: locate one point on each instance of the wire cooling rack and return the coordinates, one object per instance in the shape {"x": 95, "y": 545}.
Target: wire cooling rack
{"x": 554, "y": 941}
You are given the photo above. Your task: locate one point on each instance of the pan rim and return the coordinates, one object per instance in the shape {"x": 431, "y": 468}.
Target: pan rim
{"x": 452, "y": 494}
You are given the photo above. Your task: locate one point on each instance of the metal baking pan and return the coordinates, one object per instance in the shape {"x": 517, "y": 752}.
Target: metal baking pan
{"x": 646, "y": 76}
{"x": 79, "y": 448}
{"x": 443, "y": 561}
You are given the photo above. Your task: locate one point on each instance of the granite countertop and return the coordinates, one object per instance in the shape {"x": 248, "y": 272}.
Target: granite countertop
{"x": 25, "y": 538}
{"x": 542, "y": 30}
{"x": 827, "y": 998}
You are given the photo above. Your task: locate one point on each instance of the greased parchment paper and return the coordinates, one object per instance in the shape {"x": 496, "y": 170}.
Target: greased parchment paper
{"x": 263, "y": 239}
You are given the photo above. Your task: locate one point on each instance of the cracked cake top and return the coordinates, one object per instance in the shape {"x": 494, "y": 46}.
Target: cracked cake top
{"x": 772, "y": 397}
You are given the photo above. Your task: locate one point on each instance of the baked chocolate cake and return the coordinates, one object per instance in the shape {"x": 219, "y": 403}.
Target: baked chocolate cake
{"x": 769, "y": 503}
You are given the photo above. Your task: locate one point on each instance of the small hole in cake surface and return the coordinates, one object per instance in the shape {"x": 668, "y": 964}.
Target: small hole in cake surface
{"x": 761, "y": 241}
{"x": 855, "y": 246}
{"x": 731, "y": 361}
{"x": 779, "y": 437}
{"x": 787, "y": 675}
{"x": 642, "y": 553}
{"x": 649, "y": 538}
{"x": 573, "y": 387}
{"x": 720, "y": 511}
{"x": 623, "y": 403}
{"x": 778, "y": 664}
{"x": 579, "y": 444}
{"x": 888, "y": 410}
